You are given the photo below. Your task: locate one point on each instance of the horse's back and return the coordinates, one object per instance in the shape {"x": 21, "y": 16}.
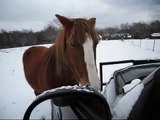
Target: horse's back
{"x": 33, "y": 53}
{"x": 32, "y": 59}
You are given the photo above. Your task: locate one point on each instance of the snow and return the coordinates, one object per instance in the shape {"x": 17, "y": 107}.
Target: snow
{"x": 17, "y": 95}
{"x": 113, "y": 50}
{"x": 130, "y": 86}
{"x": 131, "y": 93}
{"x": 75, "y": 87}
{"x": 110, "y": 93}
{"x": 123, "y": 106}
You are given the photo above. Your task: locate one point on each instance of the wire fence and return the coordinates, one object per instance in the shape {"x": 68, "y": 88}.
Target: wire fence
{"x": 149, "y": 44}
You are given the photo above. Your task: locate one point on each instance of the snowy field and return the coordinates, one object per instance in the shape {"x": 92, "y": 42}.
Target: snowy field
{"x": 16, "y": 94}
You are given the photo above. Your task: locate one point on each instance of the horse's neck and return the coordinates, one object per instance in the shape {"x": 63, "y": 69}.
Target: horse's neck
{"x": 57, "y": 64}
{"x": 57, "y": 60}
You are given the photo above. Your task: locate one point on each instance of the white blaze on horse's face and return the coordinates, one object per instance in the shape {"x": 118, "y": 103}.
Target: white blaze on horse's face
{"x": 90, "y": 63}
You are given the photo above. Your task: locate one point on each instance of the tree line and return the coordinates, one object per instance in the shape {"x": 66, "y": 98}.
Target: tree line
{"x": 138, "y": 30}
{"x": 27, "y": 37}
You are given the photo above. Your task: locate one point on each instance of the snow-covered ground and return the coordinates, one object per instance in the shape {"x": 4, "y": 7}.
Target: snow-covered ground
{"x": 16, "y": 95}
{"x": 117, "y": 50}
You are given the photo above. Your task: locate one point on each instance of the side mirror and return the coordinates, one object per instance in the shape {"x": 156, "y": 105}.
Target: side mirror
{"x": 70, "y": 102}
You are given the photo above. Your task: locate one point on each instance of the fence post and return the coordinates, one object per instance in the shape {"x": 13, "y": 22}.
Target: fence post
{"x": 101, "y": 75}
{"x": 153, "y": 45}
{"x": 140, "y": 42}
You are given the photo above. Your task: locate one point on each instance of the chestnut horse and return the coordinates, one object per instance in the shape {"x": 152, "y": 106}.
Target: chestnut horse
{"x": 71, "y": 60}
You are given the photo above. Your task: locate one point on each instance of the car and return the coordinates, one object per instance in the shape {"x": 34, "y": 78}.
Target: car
{"x": 132, "y": 92}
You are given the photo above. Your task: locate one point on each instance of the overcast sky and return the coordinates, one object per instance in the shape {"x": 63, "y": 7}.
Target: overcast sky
{"x": 36, "y": 14}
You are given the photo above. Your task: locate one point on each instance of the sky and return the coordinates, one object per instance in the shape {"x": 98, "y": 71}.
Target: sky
{"x": 37, "y": 14}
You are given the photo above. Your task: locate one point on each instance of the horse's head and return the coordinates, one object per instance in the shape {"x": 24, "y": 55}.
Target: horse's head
{"x": 80, "y": 40}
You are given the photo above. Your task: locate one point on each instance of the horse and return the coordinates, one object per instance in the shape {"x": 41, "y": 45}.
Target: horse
{"x": 71, "y": 60}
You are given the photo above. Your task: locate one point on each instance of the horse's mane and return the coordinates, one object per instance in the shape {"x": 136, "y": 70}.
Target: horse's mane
{"x": 79, "y": 30}
{"x": 77, "y": 37}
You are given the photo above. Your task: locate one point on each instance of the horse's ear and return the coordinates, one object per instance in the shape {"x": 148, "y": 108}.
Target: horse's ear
{"x": 92, "y": 21}
{"x": 64, "y": 21}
